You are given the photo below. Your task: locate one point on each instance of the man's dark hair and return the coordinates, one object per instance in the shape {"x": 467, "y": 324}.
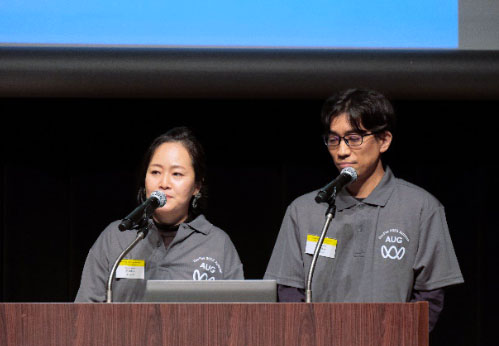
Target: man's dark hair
{"x": 367, "y": 108}
{"x": 186, "y": 137}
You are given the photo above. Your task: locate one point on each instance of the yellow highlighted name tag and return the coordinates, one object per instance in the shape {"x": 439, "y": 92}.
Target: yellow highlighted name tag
{"x": 328, "y": 248}
{"x": 131, "y": 269}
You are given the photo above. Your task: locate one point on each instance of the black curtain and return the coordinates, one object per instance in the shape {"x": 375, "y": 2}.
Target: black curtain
{"x": 69, "y": 168}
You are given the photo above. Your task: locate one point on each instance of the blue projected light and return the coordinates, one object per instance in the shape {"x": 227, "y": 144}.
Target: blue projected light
{"x": 256, "y": 23}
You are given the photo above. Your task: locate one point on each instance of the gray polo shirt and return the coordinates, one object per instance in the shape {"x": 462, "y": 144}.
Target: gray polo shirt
{"x": 394, "y": 240}
{"x": 199, "y": 251}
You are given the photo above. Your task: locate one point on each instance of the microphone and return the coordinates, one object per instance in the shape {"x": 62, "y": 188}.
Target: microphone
{"x": 143, "y": 211}
{"x": 347, "y": 176}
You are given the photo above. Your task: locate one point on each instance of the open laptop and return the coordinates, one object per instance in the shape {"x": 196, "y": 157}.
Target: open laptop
{"x": 183, "y": 291}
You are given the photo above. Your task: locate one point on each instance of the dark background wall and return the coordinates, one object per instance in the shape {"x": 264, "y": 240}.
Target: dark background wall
{"x": 69, "y": 168}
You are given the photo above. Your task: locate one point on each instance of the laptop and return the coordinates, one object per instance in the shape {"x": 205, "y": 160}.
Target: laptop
{"x": 207, "y": 291}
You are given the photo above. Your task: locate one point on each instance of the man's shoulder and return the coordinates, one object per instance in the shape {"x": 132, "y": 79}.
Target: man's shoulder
{"x": 410, "y": 192}
{"x": 306, "y": 207}
{"x": 306, "y": 200}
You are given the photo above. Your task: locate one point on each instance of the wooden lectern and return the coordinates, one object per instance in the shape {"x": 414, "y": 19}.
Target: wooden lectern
{"x": 286, "y": 324}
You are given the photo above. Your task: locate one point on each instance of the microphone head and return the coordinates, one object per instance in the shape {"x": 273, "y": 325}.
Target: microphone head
{"x": 160, "y": 196}
{"x": 351, "y": 172}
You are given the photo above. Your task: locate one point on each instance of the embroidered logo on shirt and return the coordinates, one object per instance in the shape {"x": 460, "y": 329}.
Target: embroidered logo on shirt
{"x": 393, "y": 252}
{"x": 198, "y": 276}
{"x": 207, "y": 267}
{"x": 395, "y": 239}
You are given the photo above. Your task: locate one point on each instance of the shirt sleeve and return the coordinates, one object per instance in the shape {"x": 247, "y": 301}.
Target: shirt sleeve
{"x": 95, "y": 271}
{"x": 286, "y": 263}
{"x": 288, "y": 294}
{"x": 435, "y": 299}
{"x": 436, "y": 264}
{"x": 233, "y": 268}
{"x": 93, "y": 283}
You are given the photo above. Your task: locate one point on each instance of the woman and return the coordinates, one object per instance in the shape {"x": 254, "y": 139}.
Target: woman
{"x": 181, "y": 244}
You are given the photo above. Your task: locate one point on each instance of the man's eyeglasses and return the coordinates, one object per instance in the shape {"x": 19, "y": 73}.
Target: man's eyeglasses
{"x": 352, "y": 140}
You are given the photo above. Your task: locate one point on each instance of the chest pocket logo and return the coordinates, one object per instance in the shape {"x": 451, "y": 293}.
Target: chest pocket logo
{"x": 392, "y": 252}
{"x": 198, "y": 276}
{"x": 208, "y": 267}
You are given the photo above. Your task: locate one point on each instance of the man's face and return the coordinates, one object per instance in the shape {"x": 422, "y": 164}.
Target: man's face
{"x": 365, "y": 159}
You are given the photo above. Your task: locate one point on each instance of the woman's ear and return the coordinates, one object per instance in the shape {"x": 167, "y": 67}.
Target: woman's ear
{"x": 198, "y": 188}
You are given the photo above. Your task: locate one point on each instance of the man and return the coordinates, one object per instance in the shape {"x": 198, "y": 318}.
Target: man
{"x": 389, "y": 240}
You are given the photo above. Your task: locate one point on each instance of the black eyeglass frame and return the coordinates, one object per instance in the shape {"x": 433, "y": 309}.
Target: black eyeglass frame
{"x": 345, "y": 139}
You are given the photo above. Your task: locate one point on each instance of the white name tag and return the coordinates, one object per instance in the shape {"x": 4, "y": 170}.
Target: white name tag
{"x": 131, "y": 269}
{"x": 328, "y": 248}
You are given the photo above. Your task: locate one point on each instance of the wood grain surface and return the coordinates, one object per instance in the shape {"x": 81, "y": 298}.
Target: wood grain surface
{"x": 120, "y": 324}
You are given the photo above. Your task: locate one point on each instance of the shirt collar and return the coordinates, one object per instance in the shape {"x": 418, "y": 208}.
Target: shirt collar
{"x": 200, "y": 224}
{"x": 379, "y": 196}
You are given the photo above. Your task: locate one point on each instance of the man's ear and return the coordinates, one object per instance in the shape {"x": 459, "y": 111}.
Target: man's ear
{"x": 385, "y": 139}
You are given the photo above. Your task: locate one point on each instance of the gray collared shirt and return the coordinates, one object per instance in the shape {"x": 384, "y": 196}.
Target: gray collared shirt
{"x": 392, "y": 242}
{"x": 199, "y": 251}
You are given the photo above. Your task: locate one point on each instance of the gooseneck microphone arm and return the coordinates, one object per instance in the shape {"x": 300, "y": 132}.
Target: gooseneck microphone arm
{"x": 328, "y": 194}
{"x": 141, "y": 234}
{"x": 330, "y": 214}
{"x": 137, "y": 219}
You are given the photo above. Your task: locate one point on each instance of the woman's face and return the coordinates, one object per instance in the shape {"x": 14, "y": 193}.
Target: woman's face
{"x": 171, "y": 172}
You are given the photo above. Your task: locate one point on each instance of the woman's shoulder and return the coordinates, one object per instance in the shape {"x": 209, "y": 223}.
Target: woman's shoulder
{"x": 201, "y": 224}
{"x": 111, "y": 236}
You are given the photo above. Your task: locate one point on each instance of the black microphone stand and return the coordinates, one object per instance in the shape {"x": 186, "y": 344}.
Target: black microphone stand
{"x": 142, "y": 231}
{"x": 330, "y": 214}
